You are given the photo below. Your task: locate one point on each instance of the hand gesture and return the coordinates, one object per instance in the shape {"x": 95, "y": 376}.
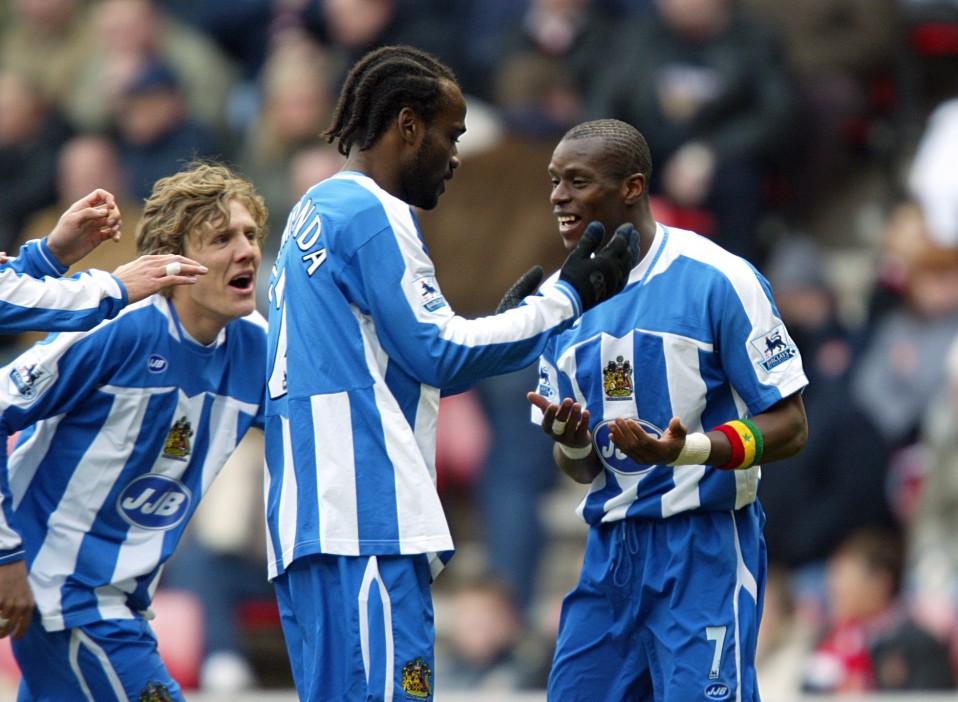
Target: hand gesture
{"x": 598, "y": 277}
{"x": 88, "y": 222}
{"x": 631, "y": 439}
{"x": 151, "y": 273}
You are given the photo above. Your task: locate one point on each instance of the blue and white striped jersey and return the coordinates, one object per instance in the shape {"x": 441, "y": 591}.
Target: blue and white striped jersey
{"x": 361, "y": 341}
{"x": 124, "y": 428}
{"x": 33, "y": 297}
{"x": 694, "y": 335}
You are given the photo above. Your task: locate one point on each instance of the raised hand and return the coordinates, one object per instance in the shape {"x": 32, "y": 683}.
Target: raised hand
{"x": 598, "y": 277}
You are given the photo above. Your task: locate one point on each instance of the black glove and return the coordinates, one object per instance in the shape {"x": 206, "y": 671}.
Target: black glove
{"x": 522, "y": 288}
{"x": 599, "y": 277}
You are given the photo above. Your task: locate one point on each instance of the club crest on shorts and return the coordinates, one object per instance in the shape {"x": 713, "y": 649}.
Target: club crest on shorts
{"x": 155, "y": 692}
{"x": 417, "y": 680}
{"x": 775, "y": 348}
{"x": 428, "y": 290}
{"x": 177, "y": 445}
{"x": 29, "y": 379}
{"x": 617, "y": 379}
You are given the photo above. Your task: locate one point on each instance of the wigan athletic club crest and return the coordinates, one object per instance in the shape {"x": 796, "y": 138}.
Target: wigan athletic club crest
{"x": 178, "y": 444}
{"x": 617, "y": 379}
{"x": 417, "y": 680}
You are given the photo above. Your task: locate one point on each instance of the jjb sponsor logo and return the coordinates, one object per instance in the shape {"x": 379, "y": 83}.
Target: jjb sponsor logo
{"x": 611, "y": 457}
{"x": 774, "y": 347}
{"x": 717, "y": 691}
{"x": 156, "y": 364}
{"x": 154, "y": 502}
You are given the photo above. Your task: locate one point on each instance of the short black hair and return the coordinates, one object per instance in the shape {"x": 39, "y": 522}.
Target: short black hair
{"x": 379, "y": 86}
{"x": 626, "y": 150}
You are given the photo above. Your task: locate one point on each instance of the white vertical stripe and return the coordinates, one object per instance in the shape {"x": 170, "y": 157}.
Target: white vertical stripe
{"x": 335, "y": 476}
{"x": 743, "y": 580}
{"x": 289, "y": 496}
{"x": 683, "y": 373}
{"x": 611, "y": 349}
{"x": 77, "y": 639}
{"x": 372, "y": 575}
{"x": 31, "y": 454}
{"x": 418, "y": 508}
{"x": 89, "y": 485}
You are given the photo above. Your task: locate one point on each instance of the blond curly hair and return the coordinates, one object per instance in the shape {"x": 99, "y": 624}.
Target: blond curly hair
{"x": 199, "y": 194}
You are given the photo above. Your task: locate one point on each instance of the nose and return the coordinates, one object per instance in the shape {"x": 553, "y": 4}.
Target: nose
{"x": 455, "y": 161}
{"x": 559, "y": 194}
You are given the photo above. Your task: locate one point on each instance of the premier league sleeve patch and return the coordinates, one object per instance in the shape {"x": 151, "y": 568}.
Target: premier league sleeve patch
{"x": 775, "y": 348}
{"x": 429, "y": 295}
{"x": 29, "y": 380}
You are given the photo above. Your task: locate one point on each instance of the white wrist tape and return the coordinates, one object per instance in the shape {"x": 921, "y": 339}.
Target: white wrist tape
{"x": 575, "y": 452}
{"x": 695, "y": 452}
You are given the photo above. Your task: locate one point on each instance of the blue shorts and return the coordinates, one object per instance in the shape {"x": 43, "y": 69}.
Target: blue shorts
{"x": 358, "y": 627}
{"x": 110, "y": 661}
{"x": 665, "y": 610}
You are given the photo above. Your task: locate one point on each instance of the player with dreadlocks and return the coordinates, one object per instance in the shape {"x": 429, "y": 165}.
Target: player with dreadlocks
{"x": 361, "y": 345}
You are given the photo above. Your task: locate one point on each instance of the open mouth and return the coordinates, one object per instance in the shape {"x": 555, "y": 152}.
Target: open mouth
{"x": 567, "y": 221}
{"x": 242, "y": 282}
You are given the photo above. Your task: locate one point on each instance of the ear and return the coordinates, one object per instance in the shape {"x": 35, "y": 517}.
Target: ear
{"x": 633, "y": 187}
{"x": 410, "y": 125}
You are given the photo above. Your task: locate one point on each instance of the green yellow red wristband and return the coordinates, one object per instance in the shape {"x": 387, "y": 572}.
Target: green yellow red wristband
{"x": 746, "y": 441}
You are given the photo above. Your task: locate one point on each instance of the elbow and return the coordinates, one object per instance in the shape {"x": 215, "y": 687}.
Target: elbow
{"x": 796, "y": 441}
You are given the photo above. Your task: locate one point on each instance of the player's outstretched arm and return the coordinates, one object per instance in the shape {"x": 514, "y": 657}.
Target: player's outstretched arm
{"x": 598, "y": 277}
{"x": 567, "y": 424}
{"x": 88, "y": 222}
{"x": 151, "y": 273}
{"x": 778, "y": 433}
{"x": 16, "y": 599}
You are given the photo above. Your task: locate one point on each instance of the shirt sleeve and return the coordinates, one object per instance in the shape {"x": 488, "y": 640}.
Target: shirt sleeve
{"x": 47, "y": 380}
{"x": 394, "y": 281}
{"x": 33, "y": 296}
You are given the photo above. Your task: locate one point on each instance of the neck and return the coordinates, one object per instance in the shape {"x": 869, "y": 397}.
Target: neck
{"x": 202, "y": 328}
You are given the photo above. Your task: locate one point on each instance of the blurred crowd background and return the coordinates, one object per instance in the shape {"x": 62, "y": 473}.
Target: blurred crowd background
{"x": 817, "y": 138}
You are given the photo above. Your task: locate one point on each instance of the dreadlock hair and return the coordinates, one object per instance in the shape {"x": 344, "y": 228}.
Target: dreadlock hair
{"x": 626, "y": 150}
{"x": 378, "y": 86}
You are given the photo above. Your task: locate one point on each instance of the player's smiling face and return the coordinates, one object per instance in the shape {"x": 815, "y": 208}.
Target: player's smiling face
{"x": 228, "y": 291}
{"x": 582, "y": 191}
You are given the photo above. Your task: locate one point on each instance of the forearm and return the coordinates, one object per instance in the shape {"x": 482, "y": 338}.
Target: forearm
{"x": 581, "y": 470}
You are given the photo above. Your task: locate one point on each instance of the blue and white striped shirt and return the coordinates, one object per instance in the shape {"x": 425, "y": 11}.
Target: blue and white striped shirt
{"x": 694, "y": 335}
{"x": 361, "y": 341}
{"x": 124, "y": 428}
{"x": 33, "y": 297}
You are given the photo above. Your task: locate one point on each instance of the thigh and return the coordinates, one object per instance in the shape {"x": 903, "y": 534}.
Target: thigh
{"x": 359, "y": 628}
{"x": 701, "y": 611}
{"x": 599, "y": 654}
{"x": 108, "y": 661}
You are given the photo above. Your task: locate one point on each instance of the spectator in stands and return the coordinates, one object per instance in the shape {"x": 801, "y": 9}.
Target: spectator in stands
{"x": 710, "y": 88}
{"x": 871, "y": 642}
{"x": 932, "y": 567}
{"x": 836, "y": 485}
{"x": 842, "y": 53}
{"x": 295, "y": 106}
{"x": 31, "y": 133}
{"x": 545, "y": 65}
{"x": 132, "y": 34}
{"x": 56, "y": 30}
{"x": 156, "y": 134}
